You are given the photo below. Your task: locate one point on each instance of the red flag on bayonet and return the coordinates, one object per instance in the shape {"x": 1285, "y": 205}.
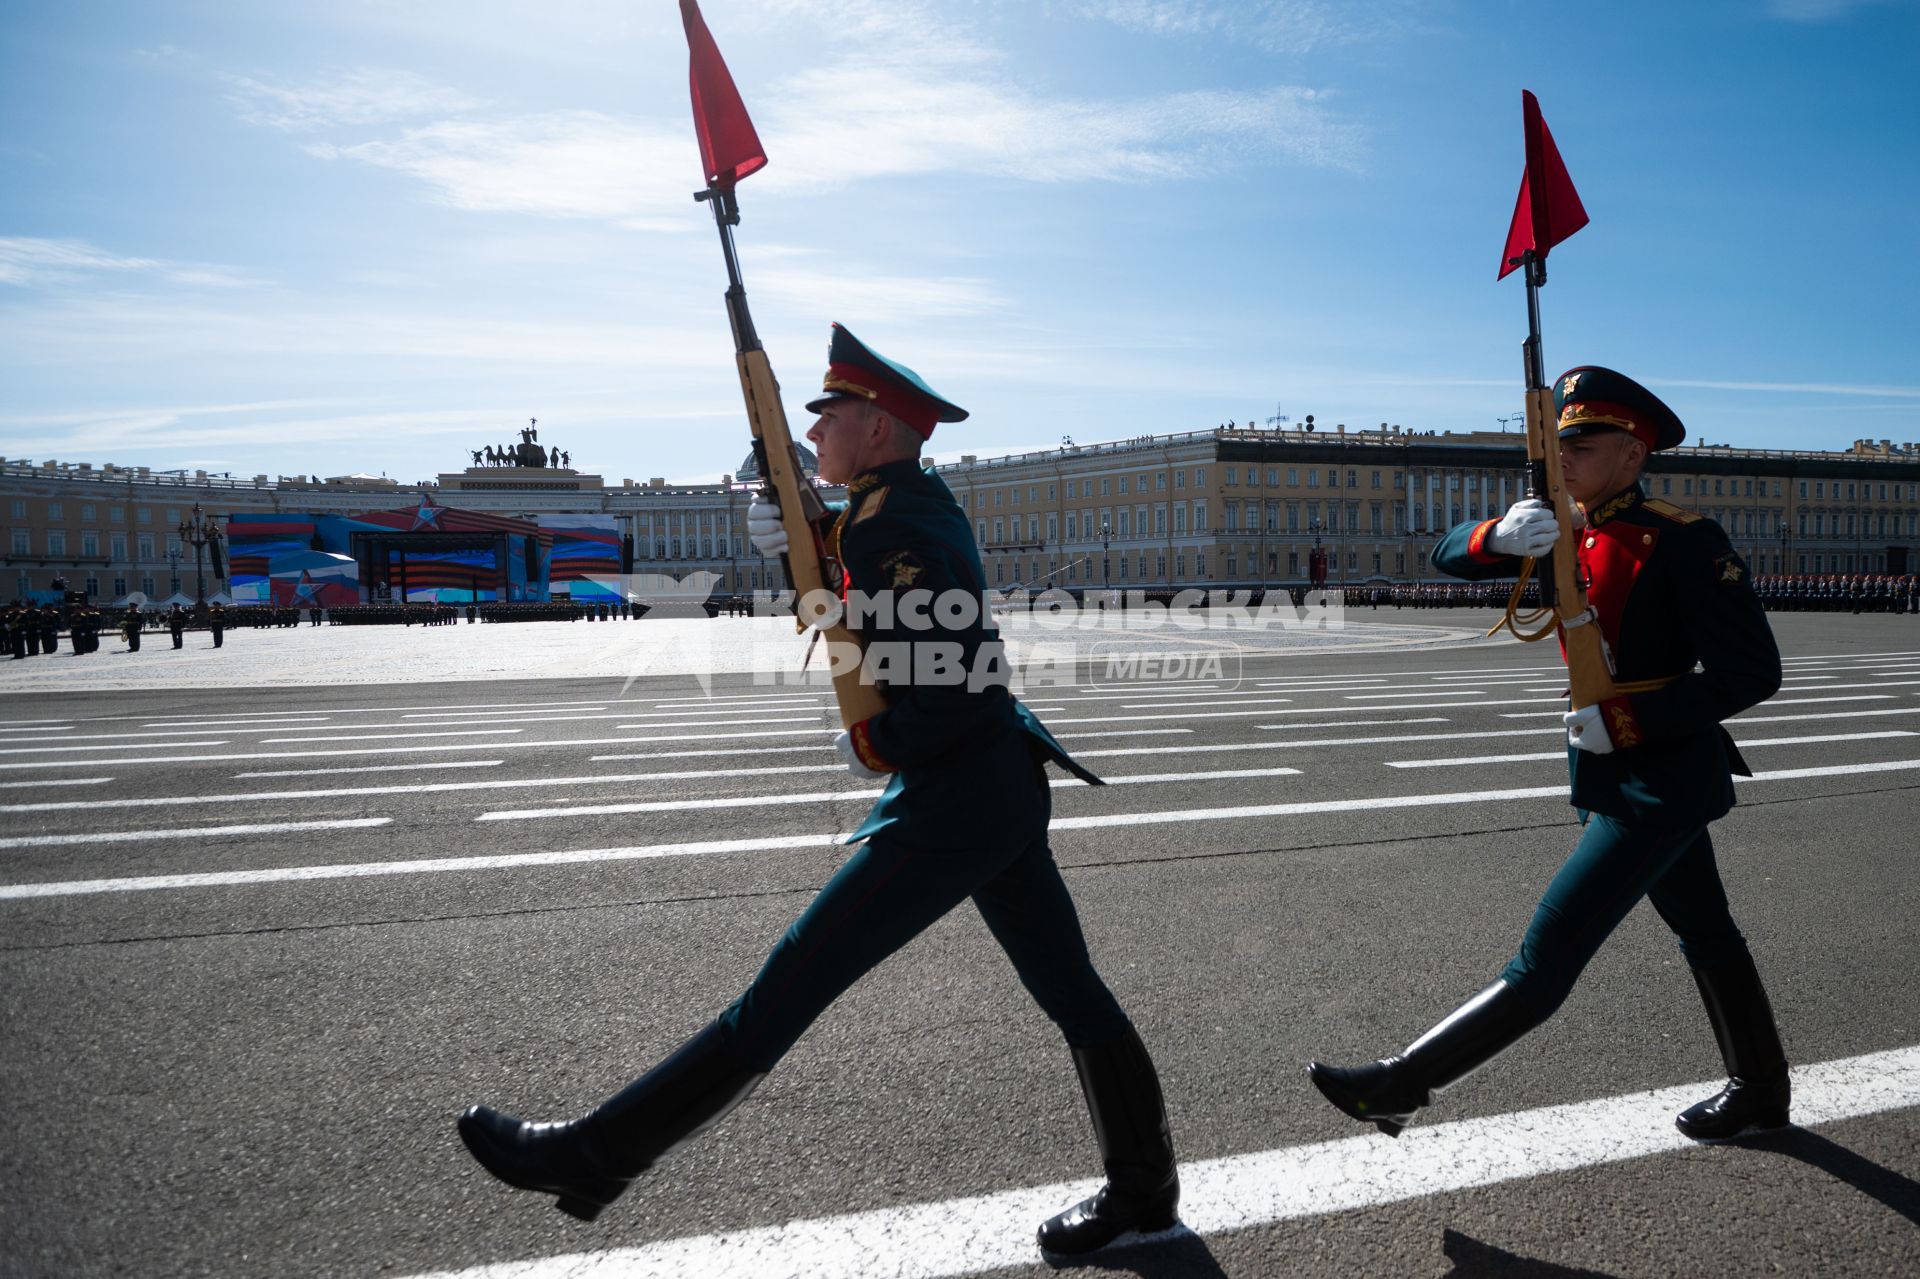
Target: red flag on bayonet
{"x": 1549, "y": 209}
{"x": 729, "y": 148}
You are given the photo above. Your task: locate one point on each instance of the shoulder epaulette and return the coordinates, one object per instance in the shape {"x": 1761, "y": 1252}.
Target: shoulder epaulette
{"x": 1678, "y": 514}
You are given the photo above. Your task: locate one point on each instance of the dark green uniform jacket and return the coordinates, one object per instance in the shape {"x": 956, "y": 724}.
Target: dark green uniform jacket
{"x": 954, "y": 747}
{"x": 1671, "y": 595}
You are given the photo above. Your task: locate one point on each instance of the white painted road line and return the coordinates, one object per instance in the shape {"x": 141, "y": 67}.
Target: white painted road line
{"x": 117, "y": 746}
{"x": 420, "y": 788}
{"x": 479, "y": 714}
{"x": 828, "y": 797}
{"x": 1270, "y": 745}
{"x": 1237, "y": 1192}
{"x": 183, "y": 727}
{"x": 543, "y": 744}
{"x": 1125, "y": 732}
{"x": 390, "y": 737}
{"x": 201, "y": 832}
{"x": 363, "y": 768}
{"x": 504, "y": 861}
{"x": 65, "y": 781}
{"x": 1746, "y": 744}
{"x": 430, "y": 866}
{"x": 1560, "y": 755}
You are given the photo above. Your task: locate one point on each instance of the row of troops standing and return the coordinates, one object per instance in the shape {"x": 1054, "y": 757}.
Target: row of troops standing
{"x": 1650, "y": 770}
{"x": 29, "y": 631}
{"x": 1838, "y": 593}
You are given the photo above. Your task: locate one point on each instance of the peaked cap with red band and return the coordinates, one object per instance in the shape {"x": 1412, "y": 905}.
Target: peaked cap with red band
{"x": 1591, "y": 398}
{"x": 856, "y": 371}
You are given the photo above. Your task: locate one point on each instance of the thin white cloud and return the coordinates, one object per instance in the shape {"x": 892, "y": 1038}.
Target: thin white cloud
{"x": 912, "y": 124}
{"x": 353, "y": 97}
{"x": 1276, "y": 26}
{"x": 1800, "y": 388}
{"x": 34, "y": 262}
{"x": 877, "y": 297}
{"x": 571, "y": 164}
{"x": 937, "y": 102}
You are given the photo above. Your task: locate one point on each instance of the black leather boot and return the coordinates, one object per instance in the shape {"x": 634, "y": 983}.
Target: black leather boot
{"x": 1385, "y": 1093}
{"x": 1758, "y": 1093}
{"x": 1142, "y": 1192}
{"x": 589, "y": 1161}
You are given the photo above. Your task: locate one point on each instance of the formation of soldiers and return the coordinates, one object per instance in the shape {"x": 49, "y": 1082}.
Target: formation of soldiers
{"x": 26, "y": 631}
{"x": 30, "y": 630}
{"x": 1839, "y": 593}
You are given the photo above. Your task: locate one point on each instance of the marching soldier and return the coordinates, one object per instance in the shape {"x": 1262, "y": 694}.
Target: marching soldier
{"x": 177, "y": 626}
{"x": 217, "y": 623}
{"x": 1651, "y": 768}
{"x": 131, "y": 624}
{"x": 964, "y": 815}
{"x": 49, "y": 620}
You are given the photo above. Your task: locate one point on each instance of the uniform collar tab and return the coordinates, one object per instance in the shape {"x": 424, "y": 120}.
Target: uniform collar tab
{"x": 1625, "y": 500}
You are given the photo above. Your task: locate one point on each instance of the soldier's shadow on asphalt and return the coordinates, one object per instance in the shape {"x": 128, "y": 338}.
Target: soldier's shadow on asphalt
{"x": 1475, "y": 1260}
{"x": 1896, "y": 1190}
{"x": 1179, "y": 1254}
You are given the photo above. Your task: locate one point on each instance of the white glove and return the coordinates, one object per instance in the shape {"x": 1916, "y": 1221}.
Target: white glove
{"x": 843, "y": 743}
{"x": 1528, "y": 528}
{"x": 764, "y": 530}
{"x": 1586, "y": 731}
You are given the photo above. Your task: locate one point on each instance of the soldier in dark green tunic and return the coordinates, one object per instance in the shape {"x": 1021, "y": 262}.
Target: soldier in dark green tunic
{"x": 1651, "y": 768}
{"x": 964, "y": 815}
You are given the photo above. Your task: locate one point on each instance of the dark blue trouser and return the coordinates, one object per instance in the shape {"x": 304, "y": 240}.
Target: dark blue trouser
{"x": 885, "y": 896}
{"x": 1611, "y": 869}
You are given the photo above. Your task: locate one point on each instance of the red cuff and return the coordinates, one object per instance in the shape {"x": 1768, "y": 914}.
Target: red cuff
{"x": 863, "y": 748}
{"x": 1622, "y": 726}
{"x": 1477, "y": 544}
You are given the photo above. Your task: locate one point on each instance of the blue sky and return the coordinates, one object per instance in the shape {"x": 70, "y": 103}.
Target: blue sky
{"x": 370, "y": 234}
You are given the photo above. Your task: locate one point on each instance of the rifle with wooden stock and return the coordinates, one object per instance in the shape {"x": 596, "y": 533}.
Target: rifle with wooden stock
{"x": 730, "y": 150}
{"x": 1547, "y": 212}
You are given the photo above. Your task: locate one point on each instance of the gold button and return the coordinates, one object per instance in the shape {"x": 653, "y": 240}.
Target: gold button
{"x": 1589, "y": 542}
{"x": 1647, "y": 538}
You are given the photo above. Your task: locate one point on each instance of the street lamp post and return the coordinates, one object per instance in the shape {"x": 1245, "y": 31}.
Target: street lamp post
{"x": 200, "y": 531}
{"x": 1783, "y": 546}
{"x": 1106, "y": 545}
{"x": 173, "y": 569}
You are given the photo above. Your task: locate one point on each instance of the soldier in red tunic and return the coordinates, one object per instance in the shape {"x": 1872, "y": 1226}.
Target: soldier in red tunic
{"x": 1651, "y": 768}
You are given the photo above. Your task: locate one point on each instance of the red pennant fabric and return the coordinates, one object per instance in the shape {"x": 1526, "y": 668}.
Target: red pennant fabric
{"x": 1549, "y": 209}
{"x": 729, "y": 148}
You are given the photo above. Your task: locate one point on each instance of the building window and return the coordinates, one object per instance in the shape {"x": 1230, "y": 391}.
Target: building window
{"x": 117, "y": 545}
{"x": 1106, "y": 486}
{"x": 1230, "y": 475}
{"x": 22, "y": 542}
{"x": 55, "y": 511}
{"x": 1200, "y": 477}
{"x": 119, "y": 587}
{"x": 1313, "y": 478}
{"x": 1199, "y": 517}
{"x": 1293, "y": 476}
{"x": 19, "y": 508}
{"x": 1123, "y": 485}
{"x": 1052, "y": 493}
{"x": 56, "y": 543}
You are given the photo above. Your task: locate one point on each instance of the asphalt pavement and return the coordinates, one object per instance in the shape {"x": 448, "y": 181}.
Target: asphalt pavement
{"x": 261, "y": 942}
